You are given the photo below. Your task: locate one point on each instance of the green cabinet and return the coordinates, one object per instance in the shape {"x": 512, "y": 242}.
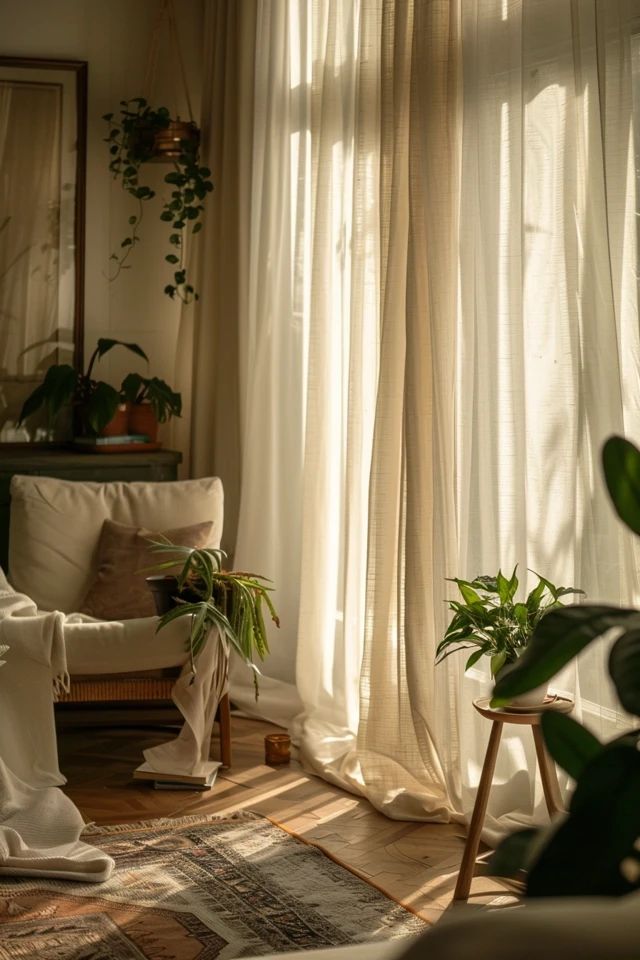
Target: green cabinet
{"x": 156, "y": 466}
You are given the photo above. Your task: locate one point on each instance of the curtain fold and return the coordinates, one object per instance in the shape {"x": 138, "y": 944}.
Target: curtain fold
{"x": 405, "y": 722}
{"x": 437, "y": 329}
{"x": 208, "y": 362}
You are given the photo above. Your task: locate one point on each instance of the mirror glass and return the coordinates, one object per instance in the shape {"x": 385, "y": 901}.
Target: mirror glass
{"x": 42, "y": 175}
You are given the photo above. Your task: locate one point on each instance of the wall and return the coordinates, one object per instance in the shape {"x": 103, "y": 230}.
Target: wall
{"x": 114, "y": 36}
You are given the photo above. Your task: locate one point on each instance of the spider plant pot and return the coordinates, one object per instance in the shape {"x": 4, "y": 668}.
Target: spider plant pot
{"x": 167, "y": 593}
{"x": 143, "y": 420}
{"x": 164, "y": 590}
{"x": 227, "y": 602}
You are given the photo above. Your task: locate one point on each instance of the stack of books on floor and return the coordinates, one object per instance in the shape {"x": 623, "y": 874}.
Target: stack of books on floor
{"x": 179, "y": 781}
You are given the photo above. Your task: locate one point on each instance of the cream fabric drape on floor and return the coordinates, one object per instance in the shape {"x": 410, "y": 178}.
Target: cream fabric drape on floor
{"x": 438, "y": 329}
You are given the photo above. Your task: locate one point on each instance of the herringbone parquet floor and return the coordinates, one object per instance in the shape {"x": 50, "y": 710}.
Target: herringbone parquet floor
{"x": 414, "y": 863}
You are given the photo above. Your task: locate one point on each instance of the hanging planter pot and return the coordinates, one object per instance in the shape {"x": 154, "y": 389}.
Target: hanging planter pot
{"x": 139, "y": 134}
{"x": 179, "y": 137}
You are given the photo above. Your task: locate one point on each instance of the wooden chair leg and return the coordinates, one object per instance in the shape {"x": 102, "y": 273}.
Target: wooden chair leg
{"x": 548, "y": 774}
{"x": 467, "y": 867}
{"x": 224, "y": 720}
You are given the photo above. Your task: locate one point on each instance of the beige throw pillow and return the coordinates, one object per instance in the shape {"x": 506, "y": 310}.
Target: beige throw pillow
{"x": 119, "y": 590}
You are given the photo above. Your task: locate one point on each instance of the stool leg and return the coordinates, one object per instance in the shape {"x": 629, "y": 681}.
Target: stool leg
{"x": 224, "y": 719}
{"x": 467, "y": 867}
{"x": 548, "y": 774}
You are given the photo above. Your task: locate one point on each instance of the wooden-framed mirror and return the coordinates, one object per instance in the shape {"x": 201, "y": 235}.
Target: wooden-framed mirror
{"x": 43, "y": 121}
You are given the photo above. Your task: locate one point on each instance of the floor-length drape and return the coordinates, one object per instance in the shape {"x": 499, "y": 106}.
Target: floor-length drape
{"x": 349, "y": 336}
{"x": 207, "y": 361}
{"x": 439, "y": 330}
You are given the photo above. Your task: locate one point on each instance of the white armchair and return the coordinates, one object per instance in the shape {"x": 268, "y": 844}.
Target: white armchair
{"x": 55, "y": 528}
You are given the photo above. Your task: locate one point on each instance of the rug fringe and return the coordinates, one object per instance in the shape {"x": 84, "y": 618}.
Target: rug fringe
{"x": 92, "y": 829}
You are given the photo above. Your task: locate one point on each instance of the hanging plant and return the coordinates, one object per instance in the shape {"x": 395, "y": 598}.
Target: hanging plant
{"x": 137, "y": 135}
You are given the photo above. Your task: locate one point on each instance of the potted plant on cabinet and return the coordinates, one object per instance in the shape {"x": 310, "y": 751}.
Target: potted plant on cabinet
{"x": 99, "y": 409}
{"x": 152, "y": 401}
{"x": 231, "y": 601}
{"x": 95, "y": 403}
{"x": 490, "y": 622}
{"x": 593, "y": 850}
{"x": 137, "y": 135}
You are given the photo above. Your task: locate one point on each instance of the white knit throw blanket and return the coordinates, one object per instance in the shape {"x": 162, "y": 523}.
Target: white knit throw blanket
{"x": 39, "y": 826}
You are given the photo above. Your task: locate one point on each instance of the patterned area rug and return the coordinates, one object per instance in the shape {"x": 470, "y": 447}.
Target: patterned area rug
{"x": 194, "y": 889}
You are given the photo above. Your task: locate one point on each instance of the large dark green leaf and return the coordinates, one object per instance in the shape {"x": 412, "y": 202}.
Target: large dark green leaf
{"x": 513, "y": 853}
{"x": 55, "y": 391}
{"x": 101, "y": 406}
{"x": 624, "y": 667}
{"x": 33, "y": 402}
{"x": 60, "y": 384}
{"x": 584, "y": 854}
{"x": 621, "y": 464}
{"x": 106, "y": 343}
{"x": 165, "y": 401}
{"x": 558, "y": 638}
{"x": 570, "y": 744}
{"x": 131, "y": 386}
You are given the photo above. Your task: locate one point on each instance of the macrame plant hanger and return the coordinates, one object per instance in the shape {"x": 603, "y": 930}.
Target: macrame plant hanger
{"x": 168, "y": 142}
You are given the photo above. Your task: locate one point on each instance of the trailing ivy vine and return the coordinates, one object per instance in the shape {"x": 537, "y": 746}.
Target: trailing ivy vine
{"x": 131, "y": 142}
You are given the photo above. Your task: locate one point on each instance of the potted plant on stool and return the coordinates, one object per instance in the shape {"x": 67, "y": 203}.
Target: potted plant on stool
{"x": 490, "y": 622}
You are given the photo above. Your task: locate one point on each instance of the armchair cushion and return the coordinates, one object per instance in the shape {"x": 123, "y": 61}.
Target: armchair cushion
{"x": 119, "y": 590}
{"x": 55, "y": 528}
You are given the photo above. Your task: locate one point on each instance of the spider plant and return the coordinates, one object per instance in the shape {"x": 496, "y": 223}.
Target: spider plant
{"x": 491, "y": 622}
{"x": 230, "y": 600}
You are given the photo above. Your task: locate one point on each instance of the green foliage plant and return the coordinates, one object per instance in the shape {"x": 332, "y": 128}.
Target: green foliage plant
{"x": 131, "y": 140}
{"x": 490, "y": 622}
{"x": 164, "y": 401}
{"x": 595, "y": 848}
{"x": 95, "y": 401}
{"x": 230, "y": 600}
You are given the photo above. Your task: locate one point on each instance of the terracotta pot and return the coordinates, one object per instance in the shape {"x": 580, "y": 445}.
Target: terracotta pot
{"x": 119, "y": 424}
{"x": 142, "y": 419}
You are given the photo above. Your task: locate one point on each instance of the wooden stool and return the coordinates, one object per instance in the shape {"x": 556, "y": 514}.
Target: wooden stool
{"x": 547, "y": 773}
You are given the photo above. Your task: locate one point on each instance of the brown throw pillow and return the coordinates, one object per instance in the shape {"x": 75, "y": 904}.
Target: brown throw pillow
{"x": 119, "y": 590}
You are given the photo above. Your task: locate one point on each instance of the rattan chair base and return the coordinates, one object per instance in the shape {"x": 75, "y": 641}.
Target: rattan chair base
{"x": 126, "y": 689}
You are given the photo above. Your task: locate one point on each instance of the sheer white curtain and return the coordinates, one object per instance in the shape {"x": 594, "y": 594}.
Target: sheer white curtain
{"x": 441, "y": 329}
{"x": 548, "y": 324}
{"x": 347, "y": 357}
